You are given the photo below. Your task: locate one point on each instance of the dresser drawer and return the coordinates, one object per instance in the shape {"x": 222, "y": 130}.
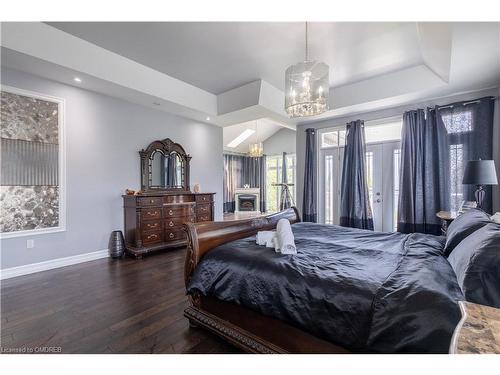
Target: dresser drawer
{"x": 151, "y": 201}
{"x": 152, "y": 237}
{"x": 202, "y": 209}
{"x": 174, "y": 234}
{"x": 178, "y": 211}
{"x": 177, "y": 222}
{"x": 201, "y": 198}
{"x": 203, "y": 217}
{"x": 151, "y": 213}
{"x": 150, "y": 225}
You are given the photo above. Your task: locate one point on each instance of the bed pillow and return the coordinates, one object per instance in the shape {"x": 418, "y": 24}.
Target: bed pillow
{"x": 496, "y": 218}
{"x": 476, "y": 262}
{"x": 464, "y": 225}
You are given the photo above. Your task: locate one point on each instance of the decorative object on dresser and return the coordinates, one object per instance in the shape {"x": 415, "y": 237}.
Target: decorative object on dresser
{"x": 154, "y": 216}
{"x": 116, "y": 245}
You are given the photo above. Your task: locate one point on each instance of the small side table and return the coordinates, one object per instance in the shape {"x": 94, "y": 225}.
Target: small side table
{"x": 447, "y": 217}
{"x": 478, "y": 332}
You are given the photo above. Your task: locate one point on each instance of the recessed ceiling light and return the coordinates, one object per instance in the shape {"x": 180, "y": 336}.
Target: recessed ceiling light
{"x": 208, "y": 118}
{"x": 76, "y": 79}
{"x": 235, "y": 142}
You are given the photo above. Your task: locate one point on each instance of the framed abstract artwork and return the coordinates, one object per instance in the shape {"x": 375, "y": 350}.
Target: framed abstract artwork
{"x": 32, "y": 175}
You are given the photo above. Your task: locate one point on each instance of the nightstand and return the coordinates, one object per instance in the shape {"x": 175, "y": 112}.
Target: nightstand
{"x": 478, "y": 332}
{"x": 447, "y": 217}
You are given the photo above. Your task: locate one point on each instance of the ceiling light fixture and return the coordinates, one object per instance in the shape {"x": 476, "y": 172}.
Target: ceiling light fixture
{"x": 208, "y": 118}
{"x": 76, "y": 79}
{"x": 306, "y": 87}
{"x": 256, "y": 150}
{"x": 237, "y": 141}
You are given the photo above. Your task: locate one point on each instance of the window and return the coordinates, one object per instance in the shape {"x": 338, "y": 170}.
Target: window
{"x": 395, "y": 196}
{"x": 456, "y": 176}
{"x": 329, "y": 192}
{"x": 32, "y": 151}
{"x": 274, "y": 165}
{"x": 458, "y": 123}
{"x": 369, "y": 176}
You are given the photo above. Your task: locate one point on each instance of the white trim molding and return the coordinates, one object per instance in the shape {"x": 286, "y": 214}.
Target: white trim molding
{"x": 27, "y": 269}
{"x": 61, "y": 159}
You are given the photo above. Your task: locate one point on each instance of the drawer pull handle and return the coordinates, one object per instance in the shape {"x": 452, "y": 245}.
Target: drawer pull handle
{"x": 152, "y": 225}
{"x": 171, "y": 224}
{"x": 152, "y": 201}
{"x": 171, "y": 235}
{"x": 152, "y": 236}
{"x": 170, "y": 212}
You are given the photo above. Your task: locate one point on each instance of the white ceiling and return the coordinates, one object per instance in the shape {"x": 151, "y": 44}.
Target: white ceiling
{"x": 233, "y": 72}
{"x": 219, "y": 56}
{"x": 264, "y": 128}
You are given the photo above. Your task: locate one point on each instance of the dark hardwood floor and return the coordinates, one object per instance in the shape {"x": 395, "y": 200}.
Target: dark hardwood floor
{"x": 105, "y": 306}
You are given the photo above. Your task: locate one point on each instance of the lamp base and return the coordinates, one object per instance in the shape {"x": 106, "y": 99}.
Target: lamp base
{"x": 479, "y": 195}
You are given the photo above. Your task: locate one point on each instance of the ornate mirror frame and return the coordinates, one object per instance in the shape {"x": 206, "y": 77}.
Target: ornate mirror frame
{"x": 165, "y": 146}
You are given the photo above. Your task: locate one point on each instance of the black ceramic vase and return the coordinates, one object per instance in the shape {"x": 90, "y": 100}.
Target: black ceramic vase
{"x": 116, "y": 244}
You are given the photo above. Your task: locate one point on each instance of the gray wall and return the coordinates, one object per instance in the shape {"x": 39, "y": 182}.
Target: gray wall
{"x": 103, "y": 137}
{"x": 386, "y": 113}
{"x": 284, "y": 140}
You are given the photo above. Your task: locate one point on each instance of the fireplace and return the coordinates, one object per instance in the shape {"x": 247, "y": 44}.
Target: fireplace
{"x": 247, "y": 200}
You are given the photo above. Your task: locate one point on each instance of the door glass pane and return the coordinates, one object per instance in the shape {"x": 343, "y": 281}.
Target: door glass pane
{"x": 395, "y": 197}
{"x": 329, "y": 194}
{"x": 273, "y": 176}
{"x": 290, "y": 166}
{"x": 369, "y": 176}
{"x": 456, "y": 175}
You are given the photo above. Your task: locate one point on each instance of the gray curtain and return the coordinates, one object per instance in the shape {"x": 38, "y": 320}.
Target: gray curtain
{"x": 355, "y": 210}
{"x": 424, "y": 185}
{"x": 434, "y": 151}
{"x": 469, "y": 128}
{"x": 233, "y": 179}
{"x": 309, "y": 213}
{"x": 240, "y": 170}
{"x": 285, "y": 197}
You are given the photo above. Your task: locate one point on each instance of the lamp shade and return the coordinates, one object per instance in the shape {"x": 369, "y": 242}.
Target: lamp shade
{"x": 480, "y": 172}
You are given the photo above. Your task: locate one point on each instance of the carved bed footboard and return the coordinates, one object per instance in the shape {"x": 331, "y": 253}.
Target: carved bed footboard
{"x": 204, "y": 237}
{"x": 244, "y": 328}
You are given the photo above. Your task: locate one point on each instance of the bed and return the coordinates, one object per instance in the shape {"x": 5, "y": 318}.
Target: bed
{"x": 347, "y": 290}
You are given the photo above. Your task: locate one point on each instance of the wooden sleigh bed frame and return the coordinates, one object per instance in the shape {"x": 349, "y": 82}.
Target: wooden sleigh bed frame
{"x": 242, "y": 327}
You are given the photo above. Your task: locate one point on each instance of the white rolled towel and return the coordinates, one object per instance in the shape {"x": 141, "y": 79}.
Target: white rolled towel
{"x": 285, "y": 241}
{"x": 263, "y": 237}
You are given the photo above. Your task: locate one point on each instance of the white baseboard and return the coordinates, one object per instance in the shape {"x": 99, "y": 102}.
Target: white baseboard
{"x": 27, "y": 269}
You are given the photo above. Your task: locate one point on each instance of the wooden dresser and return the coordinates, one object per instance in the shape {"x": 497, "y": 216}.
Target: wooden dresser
{"x": 154, "y": 217}
{"x": 154, "y": 222}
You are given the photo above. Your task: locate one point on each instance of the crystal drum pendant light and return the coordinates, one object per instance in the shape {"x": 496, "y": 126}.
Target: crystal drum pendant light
{"x": 306, "y": 87}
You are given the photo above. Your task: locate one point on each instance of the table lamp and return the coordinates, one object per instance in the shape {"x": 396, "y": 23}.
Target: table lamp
{"x": 480, "y": 173}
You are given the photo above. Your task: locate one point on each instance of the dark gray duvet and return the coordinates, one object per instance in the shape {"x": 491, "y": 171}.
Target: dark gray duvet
{"x": 366, "y": 291}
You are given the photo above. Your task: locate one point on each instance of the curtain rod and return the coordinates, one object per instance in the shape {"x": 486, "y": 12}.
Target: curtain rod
{"x": 452, "y": 105}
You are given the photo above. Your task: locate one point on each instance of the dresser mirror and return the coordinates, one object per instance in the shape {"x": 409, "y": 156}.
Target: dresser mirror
{"x": 164, "y": 167}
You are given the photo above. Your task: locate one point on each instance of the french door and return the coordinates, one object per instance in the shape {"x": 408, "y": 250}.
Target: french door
{"x": 382, "y": 172}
